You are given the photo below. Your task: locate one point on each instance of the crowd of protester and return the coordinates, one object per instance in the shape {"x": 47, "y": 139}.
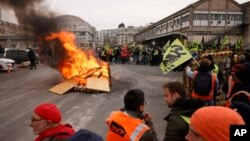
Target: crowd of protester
{"x": 126, "y": 55}
{"x": 192, "y": 117}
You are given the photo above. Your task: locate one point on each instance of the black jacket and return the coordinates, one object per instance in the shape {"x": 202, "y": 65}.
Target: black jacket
{"x": 243, "y": 109}
{"x": 177, "y": 128}
{"x": 31, "y": 55}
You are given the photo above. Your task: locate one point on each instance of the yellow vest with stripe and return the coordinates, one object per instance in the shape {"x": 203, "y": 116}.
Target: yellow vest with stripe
{"x": 156, "y": 52}
{"x": 123, "y": 127}
{"x": 186, "y": 119}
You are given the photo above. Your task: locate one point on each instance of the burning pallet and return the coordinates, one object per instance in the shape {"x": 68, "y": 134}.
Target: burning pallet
{"x": 81, "y": 68}
{"x": 90, "y": 83}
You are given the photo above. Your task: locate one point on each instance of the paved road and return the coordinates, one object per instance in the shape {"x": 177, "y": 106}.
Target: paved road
{"x": 22, "y": 90}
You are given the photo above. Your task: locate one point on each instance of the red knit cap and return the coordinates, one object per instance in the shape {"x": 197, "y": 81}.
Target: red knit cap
{"x": 48, "y": 111}
{"x": 213, "y": 122}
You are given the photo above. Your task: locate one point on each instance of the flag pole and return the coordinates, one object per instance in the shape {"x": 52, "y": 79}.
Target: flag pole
{"x": 196, "y": 61}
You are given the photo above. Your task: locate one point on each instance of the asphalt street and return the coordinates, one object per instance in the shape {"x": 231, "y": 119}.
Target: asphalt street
{"x": 23, "y": 89}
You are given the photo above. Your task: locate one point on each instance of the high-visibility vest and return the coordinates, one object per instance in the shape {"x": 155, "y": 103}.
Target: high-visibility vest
{"x": 216, "y": 69}
{"x": 211, "y": 95}
{"x": 103, "y": 53}
{"x": 230, "y": 83}
{"x": 123, "y": 127}
{"x": 156, "y": 52}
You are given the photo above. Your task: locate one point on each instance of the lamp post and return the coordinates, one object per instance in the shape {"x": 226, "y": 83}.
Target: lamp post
{"x": 153, "y": 43}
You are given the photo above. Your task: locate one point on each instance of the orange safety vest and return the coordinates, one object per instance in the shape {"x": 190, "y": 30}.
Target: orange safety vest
{"x": 230, "y": 83}
{"x": 210, "y": 96}
{"x": 123, "y": 127}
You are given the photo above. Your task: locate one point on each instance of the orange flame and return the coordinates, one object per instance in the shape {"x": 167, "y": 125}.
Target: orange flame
{"x": 78, "y": 62}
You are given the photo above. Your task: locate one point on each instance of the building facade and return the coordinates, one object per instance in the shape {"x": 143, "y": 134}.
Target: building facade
{"x": 109, "y": 36}
{"x": 246, "y": 23}
{"x": 126, "y": 35}
{"x": 120, "y": 36}
{"x": 13, "y": 35}
{"x": 207, "y": 19}
{"x": 86, "y": 35}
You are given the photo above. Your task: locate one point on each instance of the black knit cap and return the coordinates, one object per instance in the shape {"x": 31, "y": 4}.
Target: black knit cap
{"x": 85, "y": 135}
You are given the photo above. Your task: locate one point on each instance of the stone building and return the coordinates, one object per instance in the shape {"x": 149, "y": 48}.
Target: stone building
{"x": 108, "y": 35}
{"x": 119, "y": 36}
{"x": 126, "y": 35}
{"x": 246, "y": 23}
{"x": 207, "y": 19}
{"x": 85, "y": 33}
{"x": 13, "y": 35}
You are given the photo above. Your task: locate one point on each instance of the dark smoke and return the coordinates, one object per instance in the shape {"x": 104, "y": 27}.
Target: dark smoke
{"x": 30, "y": 13}
{"x": 42, "y": 22}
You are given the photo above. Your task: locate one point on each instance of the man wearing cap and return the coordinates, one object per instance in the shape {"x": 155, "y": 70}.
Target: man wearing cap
{"x": 212, "y": 124}
{"x": 45, "y": 122}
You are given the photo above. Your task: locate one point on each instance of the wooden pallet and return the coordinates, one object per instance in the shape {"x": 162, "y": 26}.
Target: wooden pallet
{"x": 98, "y": 84}
{"x": 63, "y": 87}
{"x": 89, "y": 83}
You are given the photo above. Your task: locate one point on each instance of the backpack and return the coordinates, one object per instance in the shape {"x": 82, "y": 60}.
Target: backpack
{"x": 203, "y": 83}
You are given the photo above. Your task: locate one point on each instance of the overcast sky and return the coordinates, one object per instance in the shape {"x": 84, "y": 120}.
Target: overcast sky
{"x": 108, "y": 14}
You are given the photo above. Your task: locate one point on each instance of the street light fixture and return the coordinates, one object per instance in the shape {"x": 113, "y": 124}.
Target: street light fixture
{"x": 153, "y": 43}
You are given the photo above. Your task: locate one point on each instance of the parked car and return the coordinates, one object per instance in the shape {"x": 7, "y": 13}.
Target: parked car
{"x": 7, "y": 64}
{"x": 18, "y": 55}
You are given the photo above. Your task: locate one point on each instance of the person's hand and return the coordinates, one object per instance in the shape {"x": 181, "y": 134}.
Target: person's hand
{"x": 187, "y": 68}
{"x": 147, "y": 117}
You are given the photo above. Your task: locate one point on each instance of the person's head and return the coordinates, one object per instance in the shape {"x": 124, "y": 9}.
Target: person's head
{"x": 212, "y": 123}
{"x": 241, "y": 58}
{"x": 172, "y": 91}
{"x": 242, "y": 76}
{"x": 210, "y": 58}
{"x": 85, "y": 135}
{"x": 125, "y": 46}
{"x": 45, "y": 116}
{"x": 242, "y": 96}
{"x": 236, "y": 67}
{"x": 205, "y": 65}
{"x": 134, "y": 100}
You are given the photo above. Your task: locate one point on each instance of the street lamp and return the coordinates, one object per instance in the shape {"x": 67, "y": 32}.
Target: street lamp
{"x": 153, "y": 43}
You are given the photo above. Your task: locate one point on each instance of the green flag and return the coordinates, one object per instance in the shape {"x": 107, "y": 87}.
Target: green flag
{"x": 132, "y": 45}
{"x": 239, "y": 43}
{"x": 175, "y": 55}
{"x": 225, "y": 42}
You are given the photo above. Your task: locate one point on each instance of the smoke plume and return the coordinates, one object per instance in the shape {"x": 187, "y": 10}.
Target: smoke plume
{"x": 31, "y": 13}
{"x": 42, "y": 21}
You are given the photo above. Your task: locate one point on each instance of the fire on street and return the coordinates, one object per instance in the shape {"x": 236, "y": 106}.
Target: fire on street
{"x": 23, "y": 89}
